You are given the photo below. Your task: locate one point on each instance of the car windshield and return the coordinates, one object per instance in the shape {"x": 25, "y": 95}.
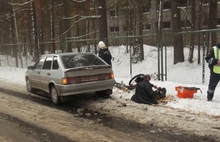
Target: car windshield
{"x": 80, "y": 60}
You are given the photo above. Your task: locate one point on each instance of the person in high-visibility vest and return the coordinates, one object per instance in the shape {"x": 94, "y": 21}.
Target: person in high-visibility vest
{"x": 213, "y": 59}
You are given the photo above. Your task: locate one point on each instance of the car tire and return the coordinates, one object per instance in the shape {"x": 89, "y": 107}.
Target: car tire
{"x": 104, "y": 93}
{"x": 133, "y": 81}
{"x": 54, "y": 95}
{"x": 29, "y": 86}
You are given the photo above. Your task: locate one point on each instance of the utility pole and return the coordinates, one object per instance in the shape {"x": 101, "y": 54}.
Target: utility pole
{"x": 160, "y": 49}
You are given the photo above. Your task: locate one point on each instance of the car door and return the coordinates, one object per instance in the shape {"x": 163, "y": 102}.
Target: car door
{"x": 34, "y": 74}
{"x": 46, "y": 73}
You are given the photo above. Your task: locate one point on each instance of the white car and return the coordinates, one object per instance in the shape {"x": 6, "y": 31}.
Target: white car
{"x": 64, "y": 74}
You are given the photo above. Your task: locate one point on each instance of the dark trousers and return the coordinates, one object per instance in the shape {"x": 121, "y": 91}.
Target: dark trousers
{"x": 213, "y": 81}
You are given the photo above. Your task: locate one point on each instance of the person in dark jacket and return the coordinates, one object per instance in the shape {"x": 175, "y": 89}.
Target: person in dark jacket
{"x": 213, "y": 60}
{"x": 104, "y": 53}
{"x": 144, "y": 92}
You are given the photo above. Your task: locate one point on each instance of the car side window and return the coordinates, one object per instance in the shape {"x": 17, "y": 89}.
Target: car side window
{"x": 55, "y": 63}
{"x": 40, "y": 63}
{"x": 47, "y": 63}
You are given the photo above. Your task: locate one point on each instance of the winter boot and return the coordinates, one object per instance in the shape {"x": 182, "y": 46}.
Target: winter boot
{"x": 209, "y": 96}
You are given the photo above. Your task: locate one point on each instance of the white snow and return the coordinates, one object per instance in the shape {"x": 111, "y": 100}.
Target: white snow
{"x": 121, "y": 68}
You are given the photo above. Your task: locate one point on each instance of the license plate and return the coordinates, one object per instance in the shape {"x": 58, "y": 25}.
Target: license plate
{"x": 89, "y": 78}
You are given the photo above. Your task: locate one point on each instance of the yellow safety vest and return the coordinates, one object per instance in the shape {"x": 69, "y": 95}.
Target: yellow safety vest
{"x": 216, "y": 68}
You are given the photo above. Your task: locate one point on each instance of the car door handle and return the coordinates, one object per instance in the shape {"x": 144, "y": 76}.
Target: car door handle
{"x": 48, "y": 73}
{"x": 38, "y": 72}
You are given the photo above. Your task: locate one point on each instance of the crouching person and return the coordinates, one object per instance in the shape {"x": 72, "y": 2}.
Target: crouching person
{"x": 145, "y": 94}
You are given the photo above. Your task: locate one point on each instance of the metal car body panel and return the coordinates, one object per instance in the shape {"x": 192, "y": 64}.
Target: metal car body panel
{"x": 34, "y": 73}
{"x": 65, "y": 90}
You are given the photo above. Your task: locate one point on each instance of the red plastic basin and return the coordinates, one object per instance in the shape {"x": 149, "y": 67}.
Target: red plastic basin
{"x": 185, "y": 92}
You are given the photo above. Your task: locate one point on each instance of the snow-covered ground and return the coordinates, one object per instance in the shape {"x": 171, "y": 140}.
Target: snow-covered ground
{"x": 121, "y": 68}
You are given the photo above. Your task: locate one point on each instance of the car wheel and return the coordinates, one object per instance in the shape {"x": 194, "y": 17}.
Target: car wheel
{"x": 29, "y": 86}
{"x": 104, "y": 93}
{"x": 134, "y": 80}
{"x": 54, "y": 95}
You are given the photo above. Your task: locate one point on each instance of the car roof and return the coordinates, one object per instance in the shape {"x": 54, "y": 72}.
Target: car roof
{"x": 67, "y": 53}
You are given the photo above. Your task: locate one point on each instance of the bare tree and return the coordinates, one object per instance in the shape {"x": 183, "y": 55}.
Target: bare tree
{"x": 17, "y": 7}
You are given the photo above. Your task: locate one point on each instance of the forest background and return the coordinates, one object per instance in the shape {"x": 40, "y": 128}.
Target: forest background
{"x": 35, "y": 27}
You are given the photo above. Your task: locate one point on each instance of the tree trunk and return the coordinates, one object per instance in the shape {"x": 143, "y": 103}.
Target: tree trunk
{"x": 52, "y": 26}
{"x": 30, "y": 33}
{"x": 177, "y": 38}
{"x": 103, "y": 29}
{"x": 140, "y": 15}
{"x": 36, "y": 52}
{"x": 14, "y": 48}
{"x": 213, "y": 20}
{"x": 13, "y": 22}
{"x": 87, "y": 32}
{"x": 61, "y": 29}
{"x": 94, "y": 25}
{"x": 41, "y": 29}
{"x": 192, "y": 39}
{"x": 78, "y": 25}
{"x": 199, "y": 25}
{"x": 67, "y": 13}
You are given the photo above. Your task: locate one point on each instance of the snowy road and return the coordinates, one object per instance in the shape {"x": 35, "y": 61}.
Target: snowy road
{"x": 40, "y": 112}
{"x": 64, "y": 124}
{"x": 15, "y": 130}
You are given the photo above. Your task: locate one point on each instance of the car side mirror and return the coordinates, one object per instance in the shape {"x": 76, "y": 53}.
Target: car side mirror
{"x": 31, "y": 67}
